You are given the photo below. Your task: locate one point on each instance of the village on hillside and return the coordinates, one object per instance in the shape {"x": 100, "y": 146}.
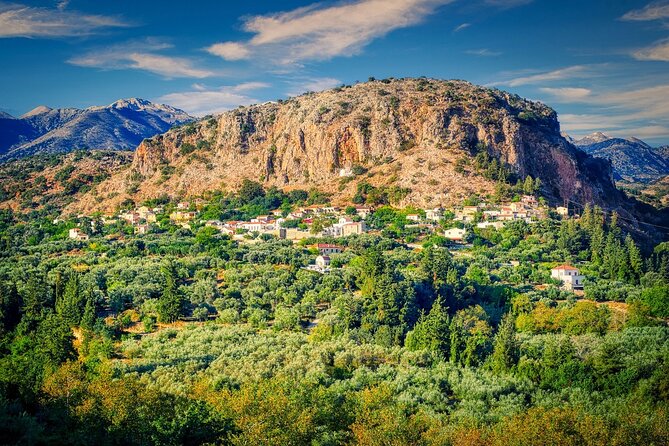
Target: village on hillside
{"x": 333, "y": 221}
{"x": 326, "y": 221}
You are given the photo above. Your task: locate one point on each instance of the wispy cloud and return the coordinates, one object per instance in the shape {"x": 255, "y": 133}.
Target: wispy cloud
{"x": 658, "y": 51}
{"x": 484, "y": 52}
{"x": 230, "y": 50}
{"x": 18, "y": 20}
{"x": 461, "y": 27}
{"x": 202, "y": 101}
{"x": 567, "y": 94}
{"x": 652, "y": 11}
{"x": 316, "y": 32}
{"x": 141, "y": 56}
{"x": 561, "y": 74}
{"x": 642, "y": 112}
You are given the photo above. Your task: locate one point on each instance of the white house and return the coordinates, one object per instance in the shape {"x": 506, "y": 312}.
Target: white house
{"x": 322, "y": 261}
{"x": 327, "y": 248}
{"x": 78, "y": 234}
{"x": 363, "y": 211}
{"x": 435, "y": 214}
{"x": 142, "y": 229}
{"x": 344, "y": 227}
{"x": 490, "y": 224}
{"x": 455, "y": 234}
{"x": 253, "y": 226}
{"x": 569, "y": 276}
{"x": 413, "y": 217}
{"x": 562, "y": 211}
{"x": 131, "y": 217}
{"x": 356, "y": 227}
{"x": 529, "y": 200}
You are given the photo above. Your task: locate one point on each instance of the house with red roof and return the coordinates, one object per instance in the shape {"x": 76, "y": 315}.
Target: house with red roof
{"x": 570, "y": 277}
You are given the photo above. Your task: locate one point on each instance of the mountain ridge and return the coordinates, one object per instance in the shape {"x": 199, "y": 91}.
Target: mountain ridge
{"x": 633, "y": 160}
{"x": 417, "y": 135}
{"x": 120, "y": 125}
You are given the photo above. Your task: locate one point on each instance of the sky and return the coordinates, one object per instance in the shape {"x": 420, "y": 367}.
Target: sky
{"x": 603, "y": 65}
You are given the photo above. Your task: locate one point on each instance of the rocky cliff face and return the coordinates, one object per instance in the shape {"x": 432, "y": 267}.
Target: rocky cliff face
{"x": 416, "y": 134}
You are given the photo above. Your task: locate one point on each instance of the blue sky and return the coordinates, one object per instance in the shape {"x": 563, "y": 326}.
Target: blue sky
{"x": 602, "y": 64}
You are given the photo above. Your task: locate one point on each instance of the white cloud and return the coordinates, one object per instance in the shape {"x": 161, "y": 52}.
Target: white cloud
{"x": 579, "y": 125}
{"x": 204, "y": 102}
{"x": 633, "y": 112}
{"x": 652, "y": 11}
{"x": 461, "y": 27}
{"x": 573, "y": 72}
{"x": 35, "y": 22}
{"x": 319, "y": 33}
{"x": 645, "y": 103}
{"x": 567, "y": 94}
{"x": 230, "y": 50}
{"x": 658, "y": 51}
{"x": 484, "y": 52}
{"x": 141, "y": 56}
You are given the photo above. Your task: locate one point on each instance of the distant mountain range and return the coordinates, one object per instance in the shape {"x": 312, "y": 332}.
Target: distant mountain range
{"x": 633, "y": 160}
{"x": 121, "y": 125}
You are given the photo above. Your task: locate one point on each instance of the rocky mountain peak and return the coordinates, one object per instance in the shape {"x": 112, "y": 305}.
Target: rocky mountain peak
{"x": 428, "y": 141}
{"x": 39, "y": 110}
{"x": 593, "y": 138}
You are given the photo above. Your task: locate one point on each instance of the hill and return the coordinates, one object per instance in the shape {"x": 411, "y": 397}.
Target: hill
{"x": 52, "y": 181}
{"x": 633, "y": 160}
{"x": 427, "y": 142}
{"x": 656, "y": 193}
{"x": 121, "y": 125}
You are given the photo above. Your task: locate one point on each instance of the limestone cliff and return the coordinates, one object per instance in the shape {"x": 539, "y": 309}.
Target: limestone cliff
{"x": 418, "y": 134}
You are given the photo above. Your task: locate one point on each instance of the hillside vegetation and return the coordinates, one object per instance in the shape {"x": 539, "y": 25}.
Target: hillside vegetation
{"x": 50, "y": 182}
{"x": 186, "y": 336}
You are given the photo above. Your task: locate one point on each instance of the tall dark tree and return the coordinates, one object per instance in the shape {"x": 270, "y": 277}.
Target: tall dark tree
{"x": 635, "y": 260}
{"x": 89, "y": 316}
{"x": 70, "y": 306}
{"x": 170, "y": 302}
{"x": 10, "y": 307}
{"x": 432, "y": 331}
{"x": 505, "y": 346}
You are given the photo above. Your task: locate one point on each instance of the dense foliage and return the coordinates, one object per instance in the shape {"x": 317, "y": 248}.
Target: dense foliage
{"x": 189, "y": 337}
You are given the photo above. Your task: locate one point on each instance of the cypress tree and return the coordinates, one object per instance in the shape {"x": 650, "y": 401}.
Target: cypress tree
{"x": 88, "y": 319}
{"x": 635, "y": 260}
{"x": 169, "y": 304}
{"x": 70, "y": 306}
{"x": 437, "y": 328}
{"x": 505, "y": 346}
{"x": 10, "y": 307}
{"x": 528, "y": 185}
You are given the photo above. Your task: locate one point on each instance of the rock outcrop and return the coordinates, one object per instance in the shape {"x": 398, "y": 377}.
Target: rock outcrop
{"x": 416, "y": 134}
